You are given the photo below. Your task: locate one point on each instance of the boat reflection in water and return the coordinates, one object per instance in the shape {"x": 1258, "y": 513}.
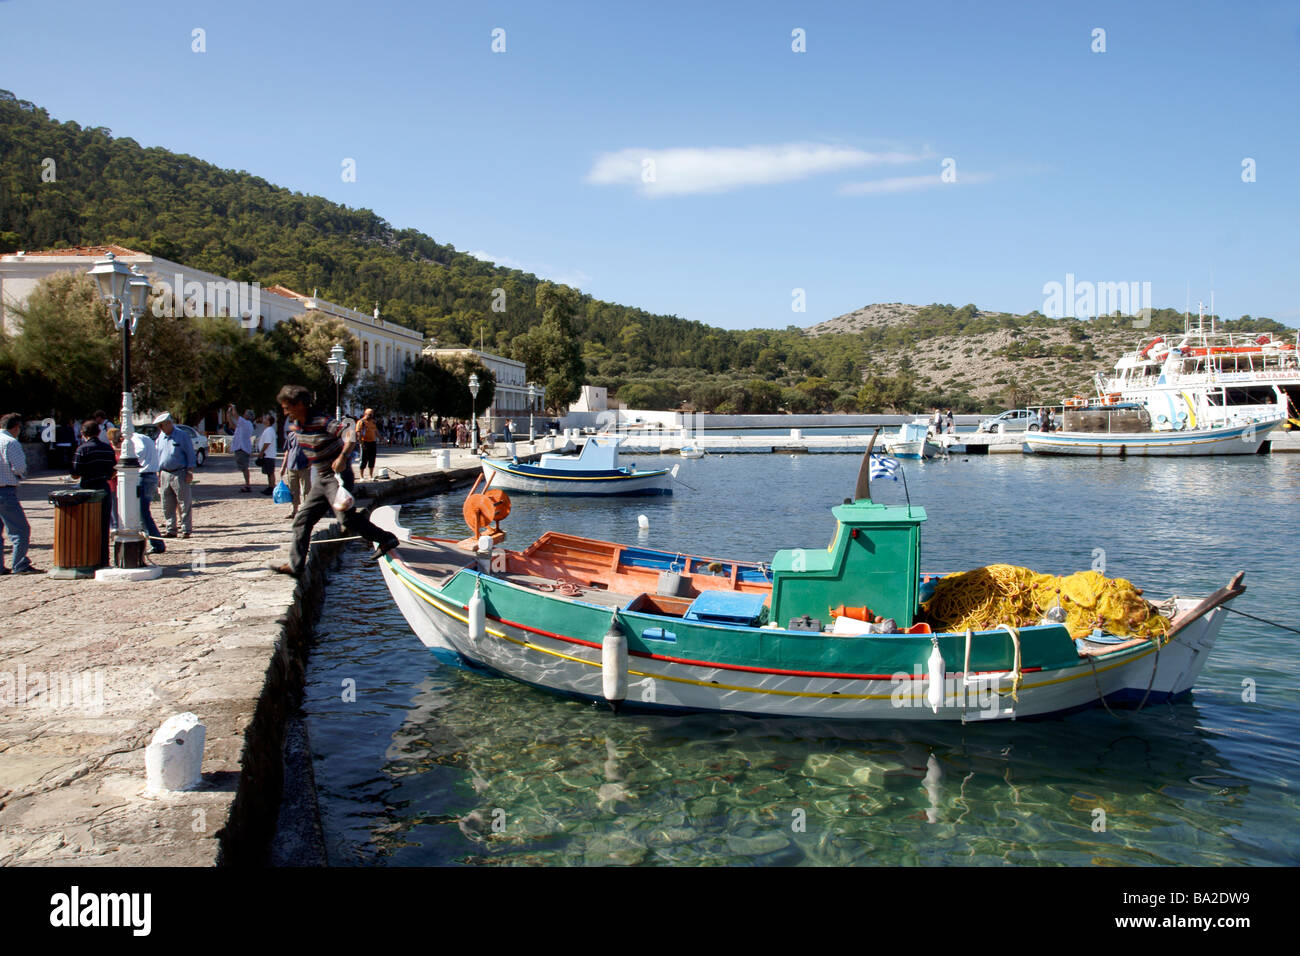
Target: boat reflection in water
{"x": 479, "y": 774}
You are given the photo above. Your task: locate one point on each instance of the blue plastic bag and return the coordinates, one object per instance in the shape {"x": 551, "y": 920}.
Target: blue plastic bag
{"x": 282, "y": 495}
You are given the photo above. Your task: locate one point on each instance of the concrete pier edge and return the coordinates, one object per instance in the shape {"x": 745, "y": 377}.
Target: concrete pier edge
{"x": 274, "y": 818}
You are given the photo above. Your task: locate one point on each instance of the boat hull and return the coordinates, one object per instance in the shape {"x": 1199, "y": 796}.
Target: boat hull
{"x": 571, "y": 665}
{"x": 912, "y": 449}
{"x": 536, "y": 481}
{"x": 1232, "y": 440}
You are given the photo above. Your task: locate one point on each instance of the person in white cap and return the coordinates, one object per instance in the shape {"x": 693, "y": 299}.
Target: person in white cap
{"x": 176, "y": 463}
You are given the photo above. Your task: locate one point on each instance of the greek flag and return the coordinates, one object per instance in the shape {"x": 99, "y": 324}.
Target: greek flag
{"x": 882, "y": 466}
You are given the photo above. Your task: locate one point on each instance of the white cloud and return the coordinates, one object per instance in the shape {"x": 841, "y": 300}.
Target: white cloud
{"x": 677, "y": 172}
{"x": 903, "y": 184}
{"x": 573, "y": 277}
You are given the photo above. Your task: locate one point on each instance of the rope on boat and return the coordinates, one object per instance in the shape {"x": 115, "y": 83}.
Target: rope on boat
{"x": 1262, "y": 620}
{"x": 1100, "y": 696}
{"x": 1152, "y": 683}
{"x": 1015, "y": 640}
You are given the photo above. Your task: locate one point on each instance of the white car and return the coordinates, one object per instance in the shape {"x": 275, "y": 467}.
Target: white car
{"x": 1015, "y": 420}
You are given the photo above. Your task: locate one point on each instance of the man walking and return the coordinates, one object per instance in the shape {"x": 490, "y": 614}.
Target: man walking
{"x": 328, "y": 445}
{"x": 242, "y": 445}
{"x": 13, "y": 466}
{"x": 368, "y": 438}
{"x": 176, "y": 463}
{"x": 94, "y": 463}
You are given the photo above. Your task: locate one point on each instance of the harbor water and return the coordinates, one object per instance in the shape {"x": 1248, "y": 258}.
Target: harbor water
{"x": 421, "y": 764}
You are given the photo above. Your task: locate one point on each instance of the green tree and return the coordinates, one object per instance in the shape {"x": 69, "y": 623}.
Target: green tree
{"x": 66, "y": 351}
{"x": 551, "y": 350}
{"x": 304, "y": 344}
{"x": 453, "y": 397}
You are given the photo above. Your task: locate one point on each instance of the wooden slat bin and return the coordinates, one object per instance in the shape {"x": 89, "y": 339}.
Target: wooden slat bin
{"x": 78, "y": 519}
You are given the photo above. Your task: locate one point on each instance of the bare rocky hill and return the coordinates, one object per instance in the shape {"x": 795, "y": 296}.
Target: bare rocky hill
{"x": 1042, "y": 359}
{"x": 869, "y": 316}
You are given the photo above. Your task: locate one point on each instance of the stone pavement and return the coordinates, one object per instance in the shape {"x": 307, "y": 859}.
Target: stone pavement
{"x": 89, "y": 670}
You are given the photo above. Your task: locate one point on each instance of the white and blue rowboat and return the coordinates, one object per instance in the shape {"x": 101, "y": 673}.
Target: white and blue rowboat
{"x": 1242, "y": 438}
{"x": 913, "y": 441}
{"x": 595, "y": 471}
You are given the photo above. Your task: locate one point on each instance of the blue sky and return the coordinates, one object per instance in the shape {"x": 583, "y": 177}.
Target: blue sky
{"x": 773, "y": 170}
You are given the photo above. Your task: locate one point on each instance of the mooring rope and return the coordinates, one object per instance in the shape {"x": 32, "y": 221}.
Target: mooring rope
{"x": 1262, "y": 620}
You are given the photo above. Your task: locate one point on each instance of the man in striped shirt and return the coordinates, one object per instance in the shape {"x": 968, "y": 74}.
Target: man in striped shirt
{"x": 328, "y": 445}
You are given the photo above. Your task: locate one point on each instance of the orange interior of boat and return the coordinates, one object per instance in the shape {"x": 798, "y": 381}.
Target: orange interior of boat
{"x": 590, "y": 563}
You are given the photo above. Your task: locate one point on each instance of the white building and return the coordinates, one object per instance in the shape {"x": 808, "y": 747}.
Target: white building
{"x": 592, "y": 398}
{"x": 384, "y": 346}
{"x": 510, "y": 401}
{"x": 185, "y": 289}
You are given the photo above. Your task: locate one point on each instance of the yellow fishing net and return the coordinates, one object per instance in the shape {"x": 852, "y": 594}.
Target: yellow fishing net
{"x": 1003, "y": 594}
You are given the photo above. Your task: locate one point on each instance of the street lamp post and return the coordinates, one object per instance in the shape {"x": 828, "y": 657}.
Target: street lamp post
{"x": 126, "y": 293}
{"x": 473, "y": 413}
{"x": 532, "y": 403}
{"x": 337, "y": 365}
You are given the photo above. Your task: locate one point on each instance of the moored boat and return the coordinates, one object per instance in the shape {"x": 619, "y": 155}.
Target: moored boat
{"x": 596, "y": 470}
{"x": 657, "y": 629}
{"x": 913, "y": 440}
{"x": 1120, "y": 429}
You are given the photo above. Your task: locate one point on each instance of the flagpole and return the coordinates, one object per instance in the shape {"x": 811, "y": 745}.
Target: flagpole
{"x": 905, "y": 491}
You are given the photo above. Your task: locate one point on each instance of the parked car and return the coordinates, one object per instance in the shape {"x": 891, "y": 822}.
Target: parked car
{"x": 198, "y": 438}
{"x": 1015, "y": 420}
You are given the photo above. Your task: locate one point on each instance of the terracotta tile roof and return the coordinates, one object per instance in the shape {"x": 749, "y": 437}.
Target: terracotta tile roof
{"x": 86, "y": 251}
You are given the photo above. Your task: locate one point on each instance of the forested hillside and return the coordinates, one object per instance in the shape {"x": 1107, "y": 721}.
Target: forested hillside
{"x": 108, "y": 189}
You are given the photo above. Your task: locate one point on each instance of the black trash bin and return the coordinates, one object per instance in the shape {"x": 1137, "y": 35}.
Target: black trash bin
{"x": 79, "y": 535}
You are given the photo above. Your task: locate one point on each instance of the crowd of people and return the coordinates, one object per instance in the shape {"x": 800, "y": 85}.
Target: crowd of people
{"x": 312, "y": 453}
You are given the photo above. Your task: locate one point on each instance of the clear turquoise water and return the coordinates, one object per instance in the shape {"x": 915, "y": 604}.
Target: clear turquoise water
{"x": 437, "y": 765}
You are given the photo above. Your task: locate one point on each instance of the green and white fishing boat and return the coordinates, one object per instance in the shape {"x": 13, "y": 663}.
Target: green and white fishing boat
{"x": 656, "y": 629}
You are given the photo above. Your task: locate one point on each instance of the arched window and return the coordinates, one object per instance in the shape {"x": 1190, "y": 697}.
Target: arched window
{"x": 365, "y": 355}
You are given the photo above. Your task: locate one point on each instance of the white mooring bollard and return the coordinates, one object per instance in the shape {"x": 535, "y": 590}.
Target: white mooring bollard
{"x": 174, "y": 758}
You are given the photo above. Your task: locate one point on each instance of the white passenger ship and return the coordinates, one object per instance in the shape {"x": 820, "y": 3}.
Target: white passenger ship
{"x": 1208, "y": 378}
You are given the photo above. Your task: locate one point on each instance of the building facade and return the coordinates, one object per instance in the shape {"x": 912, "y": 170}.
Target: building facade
{"x": 384, "y": 347}
{"x": 182, "y": 289}
{"x": 510, "y": 401}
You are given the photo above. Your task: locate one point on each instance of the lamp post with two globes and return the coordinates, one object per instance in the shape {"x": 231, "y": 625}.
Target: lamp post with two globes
{"x": 532, "y": 403}
{"x": 126, "y": 292}
{"x": 473, "y": 413}
{"x": 338, "y": 366}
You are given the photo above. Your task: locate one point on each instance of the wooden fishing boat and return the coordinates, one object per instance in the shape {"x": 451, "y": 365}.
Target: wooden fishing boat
{"x": 596, "y": 470}
{"x": 642, "y": 627}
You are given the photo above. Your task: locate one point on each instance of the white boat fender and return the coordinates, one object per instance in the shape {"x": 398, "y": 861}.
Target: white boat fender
{"x": 935, "y": 666}
{"x": 613, "y": 664}
{"x": 642, "y": 522}
{"x": 477, "y": 614}
{"x": 676, "y": 468}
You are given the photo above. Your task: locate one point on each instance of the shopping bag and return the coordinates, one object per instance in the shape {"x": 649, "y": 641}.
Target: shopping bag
{"x": 282, "y": 494}
{"x": 343, "y": 499}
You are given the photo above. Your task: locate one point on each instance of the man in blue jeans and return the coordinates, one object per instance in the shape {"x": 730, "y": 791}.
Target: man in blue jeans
{"x": 147, "y": 455}
{"x": 13, "y": 466}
